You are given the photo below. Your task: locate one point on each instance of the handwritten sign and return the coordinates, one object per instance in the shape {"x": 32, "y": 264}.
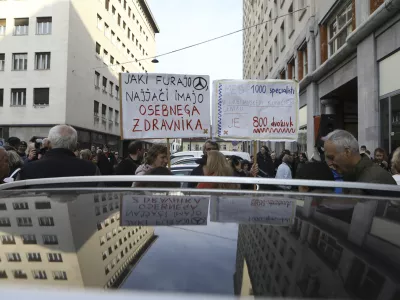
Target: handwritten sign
{"x": 256, "y": 110}
{"x": 164, "y": 210}
{"x": 259, "y": 210}
{"x": 164, "y": 106}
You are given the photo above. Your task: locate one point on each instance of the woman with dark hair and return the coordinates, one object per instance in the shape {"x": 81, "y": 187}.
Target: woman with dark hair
{"x": 156, "y": 157}
{"x": 238, "y": 171}
{"x": 301, "y": 161}
{"x": 158, "y": 171}
{"x": 264, "y": 162}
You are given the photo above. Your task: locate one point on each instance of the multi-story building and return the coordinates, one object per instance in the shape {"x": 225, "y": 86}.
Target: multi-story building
{"x": 69, "y": 242}
{"x": 321, "y": 256}
{"x": 59, "y": 64}
{"x": 196, "y": 144}
{"x": 343, "y": 53}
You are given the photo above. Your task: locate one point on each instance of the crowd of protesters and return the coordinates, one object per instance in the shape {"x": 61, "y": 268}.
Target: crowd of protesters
{"x": 58, "y": 155}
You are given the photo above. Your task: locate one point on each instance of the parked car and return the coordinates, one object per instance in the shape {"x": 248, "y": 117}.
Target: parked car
{"x": 183, "y": 170}
{"x": 197, "y": 154}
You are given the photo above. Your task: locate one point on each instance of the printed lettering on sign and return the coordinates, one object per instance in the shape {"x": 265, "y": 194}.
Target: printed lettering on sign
{"x": 256, "y": 110}
{"x": 259, "y": 210}
{"x": 164, "y": 106}
{"x": 157, "y": 210}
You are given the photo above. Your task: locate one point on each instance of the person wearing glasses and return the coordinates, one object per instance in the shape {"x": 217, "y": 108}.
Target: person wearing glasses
{"x": 209, "y": 145}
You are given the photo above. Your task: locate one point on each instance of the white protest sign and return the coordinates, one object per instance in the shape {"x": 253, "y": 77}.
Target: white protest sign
{"x": 164, "y": 106}
{"x": 256, "y": 109}
{"x": 158, "y": 210}
{"x": 259, "y": 210}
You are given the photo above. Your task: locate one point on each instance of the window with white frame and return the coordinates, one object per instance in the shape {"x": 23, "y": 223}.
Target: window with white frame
{"x": 107, "y": 32}
{"x": 7, "y": 239}
{"x": 5, "y": 222}
{"x": 18, "y": 98}
{"x": 3, "y": 26}
{"x": 104, "y": 83}
{"x": 116, "y": 115}
{"x": 98, "y": 48}
{"x": 28, "y": 239}
{"x": 54, "y": 257}
{"x": 105, "y": 54}
{"x": 2, "y": 61}
{"x": 59, "y": 275}
{"x": 104, "y": 116}
{"x": 275, "y": 10}
{"x": 111, "y": 60}
{"x": 46, "y": 221}
{"x": 99, "y": 22}
{"x": 304, "y": 53}
{"x": 111, "y": 88}
{"x": 50, "y": 239}
{"x": 339, "y": 28}
{"x": 44, "y": 25}
{"x": 33, "y": 256}
{"x": 270, "y": 64}
{"x": 107, "y": 5}
{"x": 39, "y": 274}
{"x": 113, "y": 38}
{"x": 276, "y": 49}
{"x": 41, "y": 96}
{"x": 96, "y": 108}
{"x": 117, "y": 91}
{"x": 21, "y": 26}
{"x": 96, "y": 79}
{"x": 14, "y": 257}
{"x": 283, "y": 36}
{"x": 20, "y": 61}
{"x": 110, "y": 117}
{"x": 290, "y": 24}
{"x": 1, "y": 99}
{"x": 42, "y": 61}
{"x": 20, "y": 205}
{"x": 19, "y": 274}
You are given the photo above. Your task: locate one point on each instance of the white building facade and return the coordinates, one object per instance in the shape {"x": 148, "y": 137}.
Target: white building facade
{"x": 59, "y": 64}
{"x": 342, "y": 52}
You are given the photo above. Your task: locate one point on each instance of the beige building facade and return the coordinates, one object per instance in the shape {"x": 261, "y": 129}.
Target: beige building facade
{"x": 59, "y": 63}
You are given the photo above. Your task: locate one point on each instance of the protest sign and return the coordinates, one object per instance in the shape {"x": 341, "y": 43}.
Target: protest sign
{"x": 258, "y": 210}
{"x": 256, "y": 110}
{"x": 156, "y": 210}
{"x": 164, "y": 106}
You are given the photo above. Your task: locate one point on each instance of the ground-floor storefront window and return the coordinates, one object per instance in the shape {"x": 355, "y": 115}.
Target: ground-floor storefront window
{"x": 390, "y": 122}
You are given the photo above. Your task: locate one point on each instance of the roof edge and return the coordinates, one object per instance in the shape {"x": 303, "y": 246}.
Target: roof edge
{"x": 149, "y": 15}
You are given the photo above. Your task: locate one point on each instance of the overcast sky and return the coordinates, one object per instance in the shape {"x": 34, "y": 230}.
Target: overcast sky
{"x": 184, "y": 22}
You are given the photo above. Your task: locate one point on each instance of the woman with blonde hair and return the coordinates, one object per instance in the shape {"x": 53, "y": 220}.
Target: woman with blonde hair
{"x": 396, "y": 165}
{"x": 217, "y": 165}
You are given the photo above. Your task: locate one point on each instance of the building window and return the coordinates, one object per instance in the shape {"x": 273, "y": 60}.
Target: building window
{"x": 117, "y": 91}
{"x": 111, "y": 59}
{"x": 96, "y": 79}
{"x": 276, "y": 49}
{"x": 116, "y": 117}
{"x": 38, "y": 274}
{"x": 24, "y": 222}
{"x": 1, "y": 105}
{"x": 123, "y": 25}
{"x": 302, "y": 6}
{"x": 339, "y": 28}
{"x": 3, "y": 26}
{"x": 283, "y": 36}
{"x": 50, "y": 239}
{"x": 119, "y": 20}
{"x": 2, "y": 61}
{"x": 5, "y": 222}
{"x": 42, "y": 205}
{"x": 106, "y": 30}
{"x": 34, "y": 257}
{"x": 99, "y": 22}
{"x": 20, "y": 61}
{"x": 125, "y": 4}
{"x": 42, "y": 61}
{"x": 111, "y": 89}
{"x": 113, "y": 10}
{"x": 96, "y": 108}
{"x": 46, "y": 221}
{"x": 290, "y": 21}
{"x": 107, "y": 5}
{"x": 7, "y": 240}
{"x": 21, "y": 26}
{"x": 129, "y": 12}
{"x": 3, "y": 274}
{"x": 41, "y": 96}
{"x": 13, "y": 257}
{"x": 98, "y": 48}
{"x": 129, "y": 33}
{"x": 103, "y": 114}
{"x": 54, "y": 257}
{"x": 97, "y": 211}
{"x": 43, "y": 25}
{"x": 20, "y": 205}
{"x": 28, "y": 239}
{"x": 59, "y": 275}
{"x": 104, "y": 83}
{"x": 113, "y": 39}
{"x": 19, "y": 274}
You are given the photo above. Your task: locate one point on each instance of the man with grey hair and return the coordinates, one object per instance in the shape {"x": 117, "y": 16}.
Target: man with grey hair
{"x": 342, "y": 153}
{"x": 60, "y": 160}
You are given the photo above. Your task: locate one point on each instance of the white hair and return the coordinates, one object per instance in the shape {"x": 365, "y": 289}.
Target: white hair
{"x": 343, "y": 139}
{"x": 63, "y": 136}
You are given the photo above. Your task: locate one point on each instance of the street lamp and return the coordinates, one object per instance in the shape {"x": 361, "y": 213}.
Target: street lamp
{"x": 155, "y": 61}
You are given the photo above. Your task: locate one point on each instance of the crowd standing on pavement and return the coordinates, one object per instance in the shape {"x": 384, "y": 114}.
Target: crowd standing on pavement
{"x": 59, "y": 155}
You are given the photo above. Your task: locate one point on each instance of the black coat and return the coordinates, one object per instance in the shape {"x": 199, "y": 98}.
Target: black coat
{"x": 126, "y": 167}
{"x": 105, "y": 165}
{"x": 198, "y": 171}
{"x": 58, "y": 163}
{"x": 266, "y": 165}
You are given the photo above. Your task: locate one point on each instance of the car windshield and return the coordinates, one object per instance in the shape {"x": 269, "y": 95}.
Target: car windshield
{"x": 221, "y": 242}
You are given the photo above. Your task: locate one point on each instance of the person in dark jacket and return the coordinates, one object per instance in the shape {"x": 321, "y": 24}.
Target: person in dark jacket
{"x": 236, "y": 165}
{"x": 4, "y": 164}
{"x": 342, "y": 152}
{"x": 60, "y": 161}
{"x": 265, "y": 164}
{"x": 135, "y": 156}
{"x": 209, "y": 145}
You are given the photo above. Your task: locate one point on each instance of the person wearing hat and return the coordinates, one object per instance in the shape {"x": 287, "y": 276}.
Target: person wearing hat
{"x": 14, "y": 142}
{"x": 22, "y": 149}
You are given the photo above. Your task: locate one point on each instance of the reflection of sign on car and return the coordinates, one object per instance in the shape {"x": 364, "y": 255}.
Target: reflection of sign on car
{"x": 164, "y": 210}
{"x": 262, "y": 210}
